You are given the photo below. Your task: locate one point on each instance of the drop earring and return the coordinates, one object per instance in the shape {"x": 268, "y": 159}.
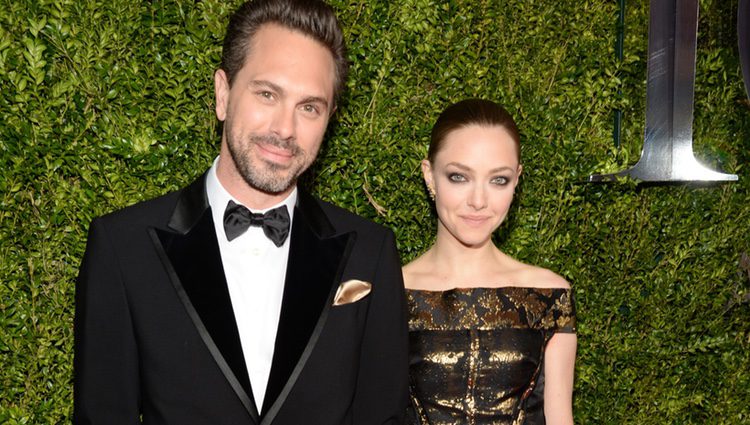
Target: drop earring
{"x": 431, "y": 191}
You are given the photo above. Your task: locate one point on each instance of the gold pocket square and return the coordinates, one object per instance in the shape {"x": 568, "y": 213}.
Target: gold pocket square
{"x": 351, "y": 291}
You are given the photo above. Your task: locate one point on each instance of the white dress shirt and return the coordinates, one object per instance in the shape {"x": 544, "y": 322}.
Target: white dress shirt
{"x": 255, "y": 270}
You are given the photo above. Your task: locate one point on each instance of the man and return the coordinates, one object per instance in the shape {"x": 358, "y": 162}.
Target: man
{"x": 202, "y": 307}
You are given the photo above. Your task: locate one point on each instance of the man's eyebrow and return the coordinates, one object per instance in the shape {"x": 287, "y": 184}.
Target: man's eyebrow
{"x": 278, "y": 89}
{"x": 267, "y": 84}
{"x": 315, "y": 99}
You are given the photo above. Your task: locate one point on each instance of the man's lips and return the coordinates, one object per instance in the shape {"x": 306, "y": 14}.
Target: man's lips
{"x": 274, "y": 153}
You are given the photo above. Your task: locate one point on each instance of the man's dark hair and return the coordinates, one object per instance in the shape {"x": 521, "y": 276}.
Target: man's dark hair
{"x": 313, "y": 18}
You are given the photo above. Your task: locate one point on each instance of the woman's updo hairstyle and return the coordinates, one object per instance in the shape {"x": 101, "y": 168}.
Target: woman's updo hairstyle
{"x": 484, "y": 113}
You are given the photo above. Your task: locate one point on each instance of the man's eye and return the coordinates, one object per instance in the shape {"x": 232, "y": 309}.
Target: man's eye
{"x": 311, "y": 109}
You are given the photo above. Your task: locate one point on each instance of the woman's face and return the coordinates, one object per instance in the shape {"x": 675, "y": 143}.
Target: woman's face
{"x": 474, "y": 175}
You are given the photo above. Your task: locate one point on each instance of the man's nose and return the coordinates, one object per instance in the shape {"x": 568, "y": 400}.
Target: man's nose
{"x": 283, "y": 123}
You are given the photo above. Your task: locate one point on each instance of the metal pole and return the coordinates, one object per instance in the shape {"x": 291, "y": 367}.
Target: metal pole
{"x": 619, "y": 47}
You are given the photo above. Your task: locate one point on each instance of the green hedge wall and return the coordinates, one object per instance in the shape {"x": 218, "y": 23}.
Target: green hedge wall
{"x": 107, "y": 103}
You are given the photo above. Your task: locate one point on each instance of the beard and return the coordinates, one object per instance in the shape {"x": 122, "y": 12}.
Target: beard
{"x": 261, "y": 174}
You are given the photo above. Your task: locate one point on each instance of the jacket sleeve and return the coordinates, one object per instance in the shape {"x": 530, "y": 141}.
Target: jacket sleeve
{"x": 382, "y": 386}
{"x": 105, "y": 364}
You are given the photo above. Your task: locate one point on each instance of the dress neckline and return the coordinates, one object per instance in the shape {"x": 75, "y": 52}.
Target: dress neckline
{"x": 487, "y": 288}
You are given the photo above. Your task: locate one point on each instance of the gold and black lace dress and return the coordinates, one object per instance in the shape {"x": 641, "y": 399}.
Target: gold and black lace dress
{"x": 477, "y": 354}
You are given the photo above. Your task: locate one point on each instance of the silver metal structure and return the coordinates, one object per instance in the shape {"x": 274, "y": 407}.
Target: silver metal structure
{"x": 667, "y": 154}
{"x": 743, "y": 39}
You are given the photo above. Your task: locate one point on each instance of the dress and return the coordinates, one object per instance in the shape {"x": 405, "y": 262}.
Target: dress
{"x": 477, "y": 354}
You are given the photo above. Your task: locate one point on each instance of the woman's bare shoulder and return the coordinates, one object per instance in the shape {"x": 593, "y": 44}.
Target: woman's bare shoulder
{"x": 411, "y": 272}
{"x": 538, "y": 277}
{"x": 418, "y": 274}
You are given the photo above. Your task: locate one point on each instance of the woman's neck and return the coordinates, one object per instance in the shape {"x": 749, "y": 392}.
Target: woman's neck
{"x": 462, "y": 264}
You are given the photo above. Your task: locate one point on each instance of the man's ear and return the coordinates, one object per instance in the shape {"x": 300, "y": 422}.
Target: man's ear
{"x": 221, "y": 91}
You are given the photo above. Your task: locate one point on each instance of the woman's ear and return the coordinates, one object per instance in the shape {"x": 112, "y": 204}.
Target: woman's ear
{"x": 428, "y": 178}
{"x": 427, "y": 175}
{"x": 518, "y": 174}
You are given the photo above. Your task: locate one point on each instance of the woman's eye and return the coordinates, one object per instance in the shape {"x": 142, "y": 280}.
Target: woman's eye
{"x": 500, "y": 180}
{"x": 455, "y": 177}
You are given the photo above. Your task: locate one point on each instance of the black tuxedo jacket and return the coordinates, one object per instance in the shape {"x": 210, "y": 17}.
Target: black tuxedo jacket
{"x": 156, "y": 341}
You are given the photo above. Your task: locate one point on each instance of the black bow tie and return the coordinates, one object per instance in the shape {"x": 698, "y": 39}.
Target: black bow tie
{"x": 275, "y": 222}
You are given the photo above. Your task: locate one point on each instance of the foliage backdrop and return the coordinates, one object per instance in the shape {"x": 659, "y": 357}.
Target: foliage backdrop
{"x": 107, "y": 103}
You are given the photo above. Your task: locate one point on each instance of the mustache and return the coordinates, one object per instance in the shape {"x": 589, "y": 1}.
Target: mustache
{"x": 272, "y": 140}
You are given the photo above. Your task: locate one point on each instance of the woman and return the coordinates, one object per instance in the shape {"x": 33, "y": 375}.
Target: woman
{"x": 492, "y": 339}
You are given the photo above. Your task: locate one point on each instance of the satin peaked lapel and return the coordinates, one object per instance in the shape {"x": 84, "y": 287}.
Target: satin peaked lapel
{"x": 190, "y": 254}
{"x": 317, "y": 256}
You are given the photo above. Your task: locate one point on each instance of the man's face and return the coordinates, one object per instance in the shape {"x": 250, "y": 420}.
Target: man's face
{"x": 277, "y": 109}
